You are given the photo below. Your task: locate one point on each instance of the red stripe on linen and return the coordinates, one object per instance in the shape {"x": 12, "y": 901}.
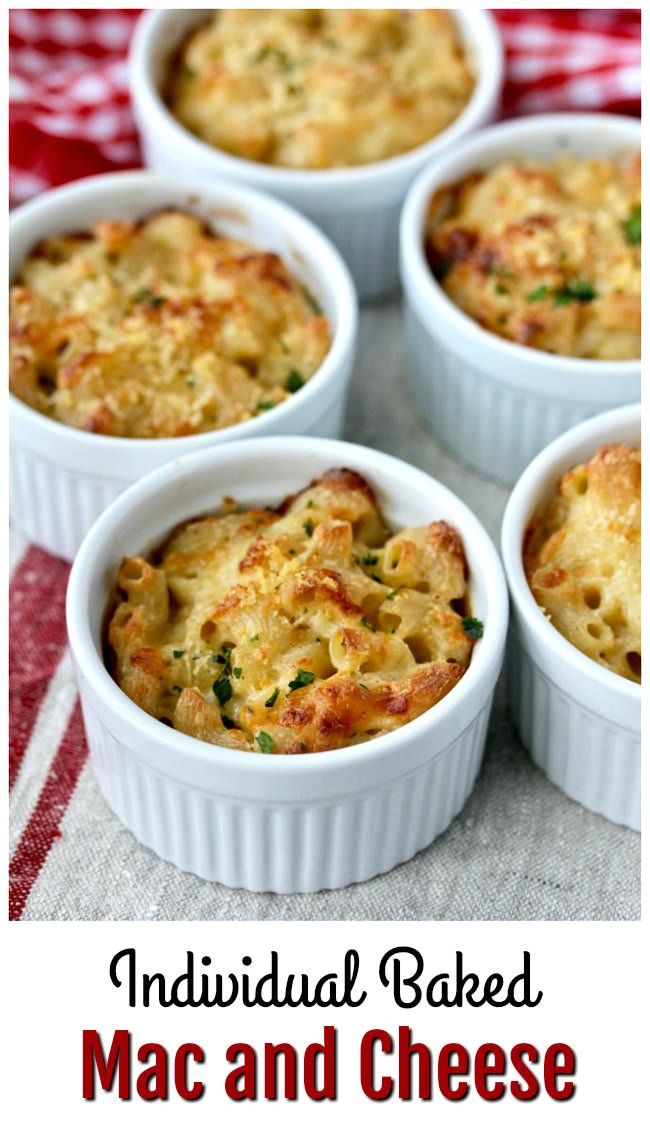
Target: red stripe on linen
{"x": 42, "y": 829}
{"x": 37, "y": 639}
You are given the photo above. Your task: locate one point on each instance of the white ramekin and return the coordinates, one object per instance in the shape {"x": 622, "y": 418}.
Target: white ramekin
{"x": 580, "y": 722}
{"x": 493, "y": 403}
{"x": 358, "y": 208}
{"x": 62, "y": 478}
{"x": 283, "y": 823}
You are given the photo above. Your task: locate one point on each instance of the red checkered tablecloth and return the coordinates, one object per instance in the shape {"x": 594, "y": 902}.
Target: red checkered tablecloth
{"x": 70, "y": 117}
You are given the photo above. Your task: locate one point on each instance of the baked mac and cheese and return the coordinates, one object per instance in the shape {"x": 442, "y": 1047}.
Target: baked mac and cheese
{"x": 159, "y": 328}
{"x": 294, "y": 629}
{"x": 546, "y": 254}
{"x": 582, "y": 556}
{"x": 317, "y": 88}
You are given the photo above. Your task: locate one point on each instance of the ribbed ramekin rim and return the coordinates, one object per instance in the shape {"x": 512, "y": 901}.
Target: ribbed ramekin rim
{"x": 516, "y": 517}
{"x": 488, "y": 50}
{"x": 418, "y": 280}
{"x": 329, "y": 261}
{"x": 109, "y": 693}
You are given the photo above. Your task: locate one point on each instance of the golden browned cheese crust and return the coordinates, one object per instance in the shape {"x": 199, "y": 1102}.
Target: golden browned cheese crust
{"x": 317, "y": 88}
{"x": 546, "y": 254}
{"x": 302, "y": 628}
{"x": 582, "y": 556}
{"x": 158, "y": 329}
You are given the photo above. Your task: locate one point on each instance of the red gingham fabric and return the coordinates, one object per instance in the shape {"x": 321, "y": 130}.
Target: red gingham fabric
{"x": 69, "y": 118}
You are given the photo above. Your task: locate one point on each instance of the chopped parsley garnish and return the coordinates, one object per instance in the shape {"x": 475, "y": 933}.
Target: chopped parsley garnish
{"x": 370, "y": 560}
{"x": 581, "y": 291}
{"x": 473, "y": 627}
{"x": 539, "y": 293}
{"x": 391, "y": 595}
{"x": 310, "y": 504}
{"x": 313, "y": 302}
{"x": 228, "y": 722}
{"x": 294, "y": 381}
{"x": 273, "y": 698}
{"x": 501, "y": 291}
{"x": 265, "y": 742}
{"x": 254, "y": 638}
{"x": 303, "y": 678}
{"x": 265, "y": 405}
{"x": 191, "y": 382}
{"x": 366, "y": 623}
{"x": 145, "y": 295}
{"x": 308, "y": 526}
{"x": 222, "y": 689}
{"x": 632, "y": 226}
{"x": 178, "y": 654}
{"x": 237, "y": 671}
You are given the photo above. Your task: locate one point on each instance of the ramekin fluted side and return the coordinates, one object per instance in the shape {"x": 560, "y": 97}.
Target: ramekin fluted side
{"x": 593, "y": 761}
{"x": 52, "y": 506}
{"x": 369, "y": 243}
{"x": 287, "y": 847}
{"x": 491, "y": 426}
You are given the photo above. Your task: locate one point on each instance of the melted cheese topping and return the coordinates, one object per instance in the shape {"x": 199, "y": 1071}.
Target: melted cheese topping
{"x": 302, "y": 628}
{"x": 547, "y": 255}
{"x": 158, "y": 329}
{"x": 318, "y": 88}
{"x": 582, "y": 557}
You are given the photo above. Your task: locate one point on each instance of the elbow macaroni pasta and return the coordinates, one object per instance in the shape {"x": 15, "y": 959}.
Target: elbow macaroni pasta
{"x": 301, "y": 628}
{"x": 317, "y": 88}
{"x": 159, "y": 329}
{"x": 582, "y": 556}
{"x": 547, "y": 255}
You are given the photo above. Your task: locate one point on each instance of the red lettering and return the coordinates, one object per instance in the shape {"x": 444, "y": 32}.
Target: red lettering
{"x": 530, "y": 1088}
{"x": 271, "y": 1054}
{"x": 118, "y": 1061}
{"x": 367, "y": 1061}
{"x": 246, "y": 1072}
{"x": 152, "y": 1082}
{"x": 484, "y": 1068}
{"x": 448, "y": 1069}
{"x": 408, "y": 1050}
{"x": 559, "y": 1061}
{"x": 328, "y": 1053}
{"x": 183, "y": 1054}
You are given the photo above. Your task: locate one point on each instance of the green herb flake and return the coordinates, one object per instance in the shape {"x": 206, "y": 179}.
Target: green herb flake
{"x": 271, "y": 701}
{"x": 294, "y": 381}
{"x": 391, "y": 595}
{"x": 265, "y": 405}
{"x": 581, "y": 291}
{"x": 303, "y": 678}
{"x": 178, "y": 654}
{"x": 632, "y": 226}
{"x": 254, "y": 638}
{"x": 228, "y": 722}
{"x": 366, "y": 623}
{"x": 265, "y": 742}
{"x": 313, "y": 302}
{"x": 472, "y": 627}
{"x": 222, "y": 689}
{"x": 238, "y": 672}
{"x": 539, "y": 293}
{"x": 501, "y": 290}
{"x": 370, "y": 560}
{"x": 191, "y": 382}
{"x": 308, "y": 526}
{"x": 310, "y": 504}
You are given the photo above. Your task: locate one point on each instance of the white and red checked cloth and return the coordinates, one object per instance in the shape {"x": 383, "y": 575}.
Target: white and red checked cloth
{"x": 69, "y": 118}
